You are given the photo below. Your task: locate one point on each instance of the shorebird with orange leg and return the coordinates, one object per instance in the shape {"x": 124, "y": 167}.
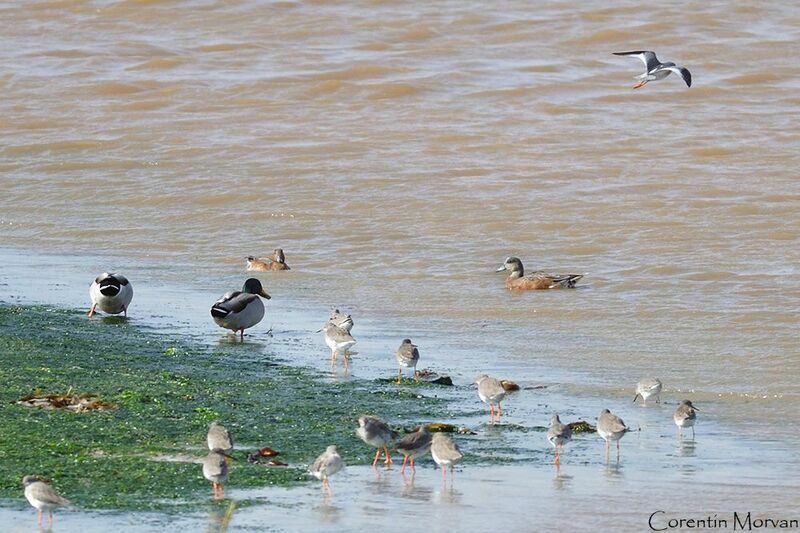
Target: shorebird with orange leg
{"x": 445, "y": 453}
{"x": 491, "y": 391}
{"x": 112, "y": 293}
{"x": 43, "y": 497}
{"x": 338, "y": 340}
{"x": 375, "y": 432}
{"x": 558, "y": 435}
{"x": 215, "y": 469}
{"x": 610, "y": 427}
{"x": 326, "y": 465}
{"x": 655, "y": 69}
{"x": 414, "y": 445}
{"x": 517, "y": 280}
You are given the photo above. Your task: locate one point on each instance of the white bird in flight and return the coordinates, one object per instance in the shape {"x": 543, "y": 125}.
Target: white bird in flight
{"x": 655, "y": 69}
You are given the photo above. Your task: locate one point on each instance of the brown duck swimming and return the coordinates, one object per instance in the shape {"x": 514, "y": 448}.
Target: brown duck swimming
{"x": 538, "y": 280}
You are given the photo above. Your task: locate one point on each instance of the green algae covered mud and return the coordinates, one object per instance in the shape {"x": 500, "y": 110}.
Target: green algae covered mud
{"x": 142, "y": 450}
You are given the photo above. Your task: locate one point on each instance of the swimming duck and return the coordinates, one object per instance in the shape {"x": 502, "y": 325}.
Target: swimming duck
{"x": 277, "y": 261}
{"x": 239, "y": 310}
{"x": 112, "y": 293}
{"x": 536, "y": 281}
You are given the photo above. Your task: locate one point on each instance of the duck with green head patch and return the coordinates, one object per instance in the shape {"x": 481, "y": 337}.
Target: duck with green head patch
{"x": 239, "y": 310}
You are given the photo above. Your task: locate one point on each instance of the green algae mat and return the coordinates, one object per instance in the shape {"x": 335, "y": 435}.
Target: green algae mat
{"x": 152, "y": 398}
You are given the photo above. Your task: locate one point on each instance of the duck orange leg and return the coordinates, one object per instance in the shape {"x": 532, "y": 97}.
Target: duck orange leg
{"x": 405, "y": 460}
{"x": 90, "y": 313}
{"x": 377, "y": 456}
{"x": 640, "y": 84}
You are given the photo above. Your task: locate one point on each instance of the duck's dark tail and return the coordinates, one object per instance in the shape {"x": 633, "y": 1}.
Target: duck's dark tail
{"x": 567, "y": 281}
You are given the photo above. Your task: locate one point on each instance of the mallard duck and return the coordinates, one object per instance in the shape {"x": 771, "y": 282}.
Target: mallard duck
{"x": 112, "y": 293}
{"x": 536, "y": 281}
{"x": 239, "y": 310}
{"x": 277, "y": 261}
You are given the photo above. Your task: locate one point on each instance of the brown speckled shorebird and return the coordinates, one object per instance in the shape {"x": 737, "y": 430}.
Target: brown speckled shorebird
{"x": 43, "y": 497}
{"x": 445, "y": 453}
{"x": 491, "y": 391}
{"x": 558, "y": 435}
{"x": 377, "y": 433}
{"x": 407, "y": 357}
{"x": 685, "y": 416}
{"x": 326, "y": 465}
{"x": 414, "y": 445}
{"x": 277, "y": 261}
{"x": 538, "y": 280}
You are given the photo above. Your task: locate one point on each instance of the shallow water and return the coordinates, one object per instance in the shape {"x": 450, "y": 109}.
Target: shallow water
{"x": 398, "y": 155}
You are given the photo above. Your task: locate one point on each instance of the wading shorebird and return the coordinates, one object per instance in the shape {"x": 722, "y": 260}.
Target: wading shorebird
{"x": 239, "y": 310}
{"x": 536, "y": 281}
{"x": 43, "y": 497}
{"x": 610, "y": 427}
{"x": 326, "y": 465}
{"x": 685, "y": 417}
{"x": 491, "y": 391}
{"x": 445, "y": 453}
{"x": 112, "y": 293}
{"x": 558, "y": 435}
{"x": 338, "y": 340}
{"x": 407, "y": 357}
{"x": 648, "y": 387}
{"x": 414, "y": 445}
{"x": 277, "y": 261}
{"x": 215, "y": 469}
{"x": 375, "y": 432}
{"x": 655, "y": 69}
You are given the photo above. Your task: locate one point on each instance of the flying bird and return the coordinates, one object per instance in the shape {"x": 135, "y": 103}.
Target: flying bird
{"x": 655, "y": 69}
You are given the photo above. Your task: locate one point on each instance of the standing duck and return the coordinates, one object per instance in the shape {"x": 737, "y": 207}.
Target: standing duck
{"x": 112, "y": 293}
{"x": 239, "y": 310}
{"x": 536, "y": 281}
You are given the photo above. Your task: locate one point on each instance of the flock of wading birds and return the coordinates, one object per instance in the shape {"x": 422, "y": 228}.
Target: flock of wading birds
{"x": 240, "y": 310}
